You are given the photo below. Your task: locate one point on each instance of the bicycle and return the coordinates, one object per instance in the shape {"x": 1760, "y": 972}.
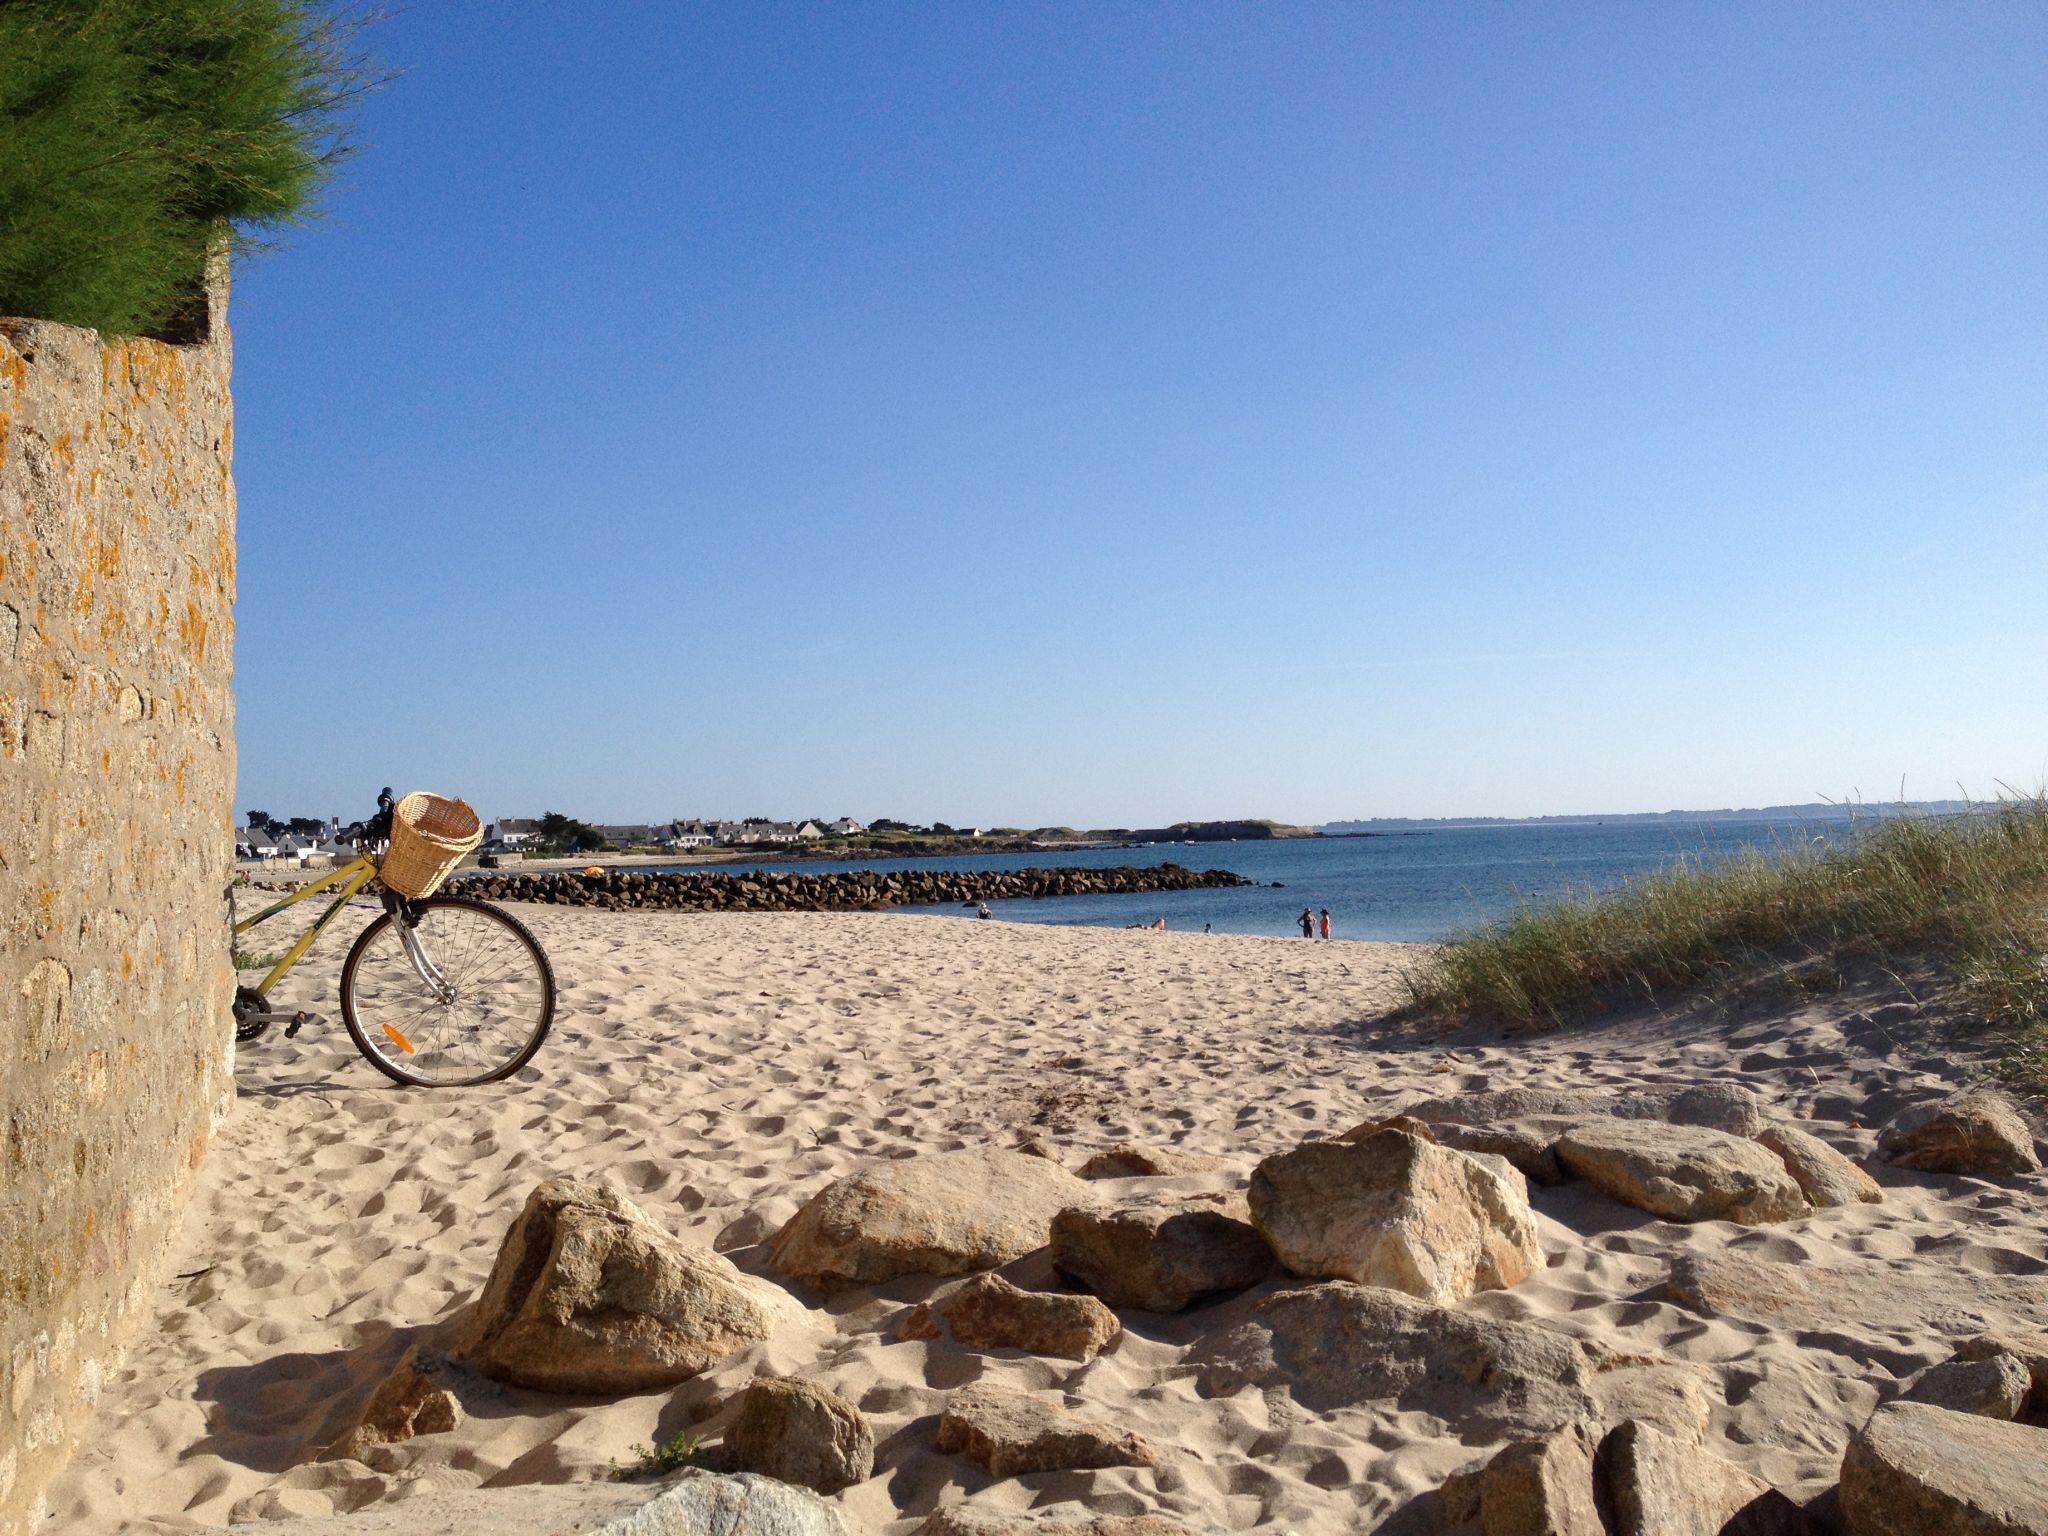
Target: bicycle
{"x": 439, "y": 991}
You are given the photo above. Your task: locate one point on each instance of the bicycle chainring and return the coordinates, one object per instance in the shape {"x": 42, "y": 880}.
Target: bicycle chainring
{"x": 250, "y": 1006}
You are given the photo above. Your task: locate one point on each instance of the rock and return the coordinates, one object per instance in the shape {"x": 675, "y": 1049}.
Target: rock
{"x": 1663, "y": 1486}
{"x": 588, "y": 1295}
{"x": 695, "y": 1503}
{"x": 1161, "y": 1255}
{"x": 1408, "y": 1123}
{"x": 1976, "y": 1132}
{"x": 2030, "y": 1349}
{"x": 966, "y": 1520}
{"x": 419, "y": 1397}
{"x": 1129, "y": 1161}
{"x": 1397, "y": 1211}
{"x": 1729, "y": 1107}
{"x": 1915, "y": 1469}
{"x": 1529, "y": 1145}
{"x": 1530, "y": 1488}
{"x": 1867, "y": 1299}
{"x": 1338, "y": 1345}
{"x": 949, "y": 1213}
{"x": 800, "y": 1432}
{"x": 1013, "y": 1433}
{"x": 1995, "y": 1386}
{"x": 990, "y": 1313}
{"x": 754, "y": 1226}
{"x": 1664, "y": 1394}
{"x": 1683, "y": 1172}
{"x": 731, "y": 1504}
{"x": 1825, "y": 1176}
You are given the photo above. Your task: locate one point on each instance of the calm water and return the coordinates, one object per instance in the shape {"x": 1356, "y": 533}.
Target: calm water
{"x": 1421, "y": 885}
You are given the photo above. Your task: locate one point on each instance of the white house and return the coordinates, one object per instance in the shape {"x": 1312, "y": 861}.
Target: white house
{"x": 739, "y": 832}
{"x": 514, "y": 831}
{"x": 846, "y": 826}
{"x": 254, "y": 843}
{"x": 687, "y": 834}
{"x": 294, "y": 847}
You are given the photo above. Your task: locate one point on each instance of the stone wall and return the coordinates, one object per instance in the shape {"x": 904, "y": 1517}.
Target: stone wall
{"x": 117, "y": 769}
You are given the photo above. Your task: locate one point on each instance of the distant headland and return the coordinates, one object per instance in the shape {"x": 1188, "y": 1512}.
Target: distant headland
{"x": 1818, "y": 810}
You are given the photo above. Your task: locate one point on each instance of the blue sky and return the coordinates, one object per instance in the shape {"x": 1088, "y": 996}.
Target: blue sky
{"x": 1104, "y": 414}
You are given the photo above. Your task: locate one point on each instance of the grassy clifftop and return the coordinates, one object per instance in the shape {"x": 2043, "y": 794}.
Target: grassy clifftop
{"x": 1212, "y": 832}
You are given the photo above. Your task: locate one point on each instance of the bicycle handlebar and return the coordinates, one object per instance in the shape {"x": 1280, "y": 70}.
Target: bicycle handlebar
{"x": 377, "y": 829}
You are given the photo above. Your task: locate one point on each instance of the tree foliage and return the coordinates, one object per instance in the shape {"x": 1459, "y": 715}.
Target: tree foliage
{"x": 136, "y": 134}
{"x": 564, "y": 834}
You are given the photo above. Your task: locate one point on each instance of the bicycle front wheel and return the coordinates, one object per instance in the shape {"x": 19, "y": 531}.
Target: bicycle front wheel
{"x": 468, "y": 1001}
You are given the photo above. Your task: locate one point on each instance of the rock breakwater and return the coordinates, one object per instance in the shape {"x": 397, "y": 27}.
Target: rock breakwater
{"x": 850, "y": 891}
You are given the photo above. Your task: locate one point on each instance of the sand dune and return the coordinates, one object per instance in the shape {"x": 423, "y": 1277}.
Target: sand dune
{"x": 720, "y": 1069}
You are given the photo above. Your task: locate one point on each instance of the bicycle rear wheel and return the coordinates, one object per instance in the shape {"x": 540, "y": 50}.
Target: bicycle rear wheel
{"x": 474, "y": 1011}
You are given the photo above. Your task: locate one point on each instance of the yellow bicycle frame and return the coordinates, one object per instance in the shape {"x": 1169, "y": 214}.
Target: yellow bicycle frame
{"x": 353, "y": 876}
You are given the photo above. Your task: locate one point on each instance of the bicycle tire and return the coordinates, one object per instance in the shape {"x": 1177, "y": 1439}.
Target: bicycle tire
{"x": 396, "y": 1066}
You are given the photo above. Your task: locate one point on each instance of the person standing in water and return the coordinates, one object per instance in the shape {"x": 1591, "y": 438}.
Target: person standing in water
{"x": 1326, "y": 922}
{"x": 1308, "y": 923}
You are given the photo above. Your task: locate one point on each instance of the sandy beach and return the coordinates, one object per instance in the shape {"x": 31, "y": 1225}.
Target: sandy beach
{"x": 720, "y": 1069}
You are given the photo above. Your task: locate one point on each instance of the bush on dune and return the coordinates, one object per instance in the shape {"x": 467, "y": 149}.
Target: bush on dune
{"x": 1969, "y": 893}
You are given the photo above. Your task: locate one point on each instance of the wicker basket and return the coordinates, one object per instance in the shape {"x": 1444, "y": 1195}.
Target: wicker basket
{"x": 430, "y": 834}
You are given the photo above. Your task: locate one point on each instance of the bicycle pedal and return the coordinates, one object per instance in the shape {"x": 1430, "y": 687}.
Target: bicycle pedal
{"x": 291, "y": 1030}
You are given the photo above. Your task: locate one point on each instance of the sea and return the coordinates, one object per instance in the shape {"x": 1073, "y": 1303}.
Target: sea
{"x": 1410, "y": 885}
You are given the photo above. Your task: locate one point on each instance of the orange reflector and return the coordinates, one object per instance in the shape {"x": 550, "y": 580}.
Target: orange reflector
{"x": 399, "y": 1040}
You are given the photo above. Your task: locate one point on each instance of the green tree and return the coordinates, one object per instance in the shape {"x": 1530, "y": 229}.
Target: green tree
{"x": 564, "y": 834}
{"x": 135, "y": 135}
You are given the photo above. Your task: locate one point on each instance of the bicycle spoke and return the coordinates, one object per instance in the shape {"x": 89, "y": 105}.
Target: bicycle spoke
{"x": 492, "y": 1003}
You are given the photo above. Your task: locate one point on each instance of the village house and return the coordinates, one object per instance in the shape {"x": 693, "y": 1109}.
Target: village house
{"x": 300, "y": 850}
{"x": 739, "y": 833}
{"x": 511, "y": 832}
{"x": 734, "y": 834}
{"x": 254, "y": 843}
{"x": 636, "y": 834}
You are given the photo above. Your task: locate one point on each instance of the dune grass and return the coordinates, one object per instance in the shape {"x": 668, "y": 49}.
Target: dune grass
{"x": 1967, "y": 893}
